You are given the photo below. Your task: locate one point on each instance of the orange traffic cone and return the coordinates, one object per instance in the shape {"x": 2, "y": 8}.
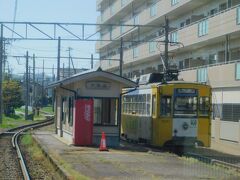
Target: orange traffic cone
{"x": 103, "y": 143}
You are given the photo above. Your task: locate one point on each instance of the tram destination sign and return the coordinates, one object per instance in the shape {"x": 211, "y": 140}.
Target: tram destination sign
{"x": 186, "y": 91}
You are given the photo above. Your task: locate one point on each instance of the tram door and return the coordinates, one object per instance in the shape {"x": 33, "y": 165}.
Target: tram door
{"x": 83, "y": 124}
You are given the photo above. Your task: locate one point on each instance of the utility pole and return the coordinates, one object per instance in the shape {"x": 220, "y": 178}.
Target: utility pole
{"x": 58, "y": 74}
{"x": 53, "y": 74}
{"x": 121, "y": 57}
{"x": 34, "y": 83}
{"x": 166, "y": 43}
{"x": 4, "y": 57}
{"x": 59, "y": 58}
{"x": 75, "y": 72}
{"x": 53, "y": 93}
{"x": 30, "y": 85}
{"x": 91, "y": 61}
{"x": 1, "y": 60}
{"x": 27, "y": 89}
{"x": 63, "y": 71}
{"x": 43, "y": 76}
{"x": 69, "y": 61}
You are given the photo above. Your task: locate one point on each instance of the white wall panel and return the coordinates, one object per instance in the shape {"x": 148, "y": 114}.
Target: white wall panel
{"x": 229, "y": 131}
{"x": 231, "y": 96}
{"x": 226, "y": 96}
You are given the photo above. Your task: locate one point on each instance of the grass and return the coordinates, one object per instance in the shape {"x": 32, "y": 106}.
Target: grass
{"x": 22, "y": 110}
{"x": 68, "y": 168}
{"x": 39, "y": 118}
{"x": 47, "y": 109}
{"x": 19, "y": 119}
{"x": 13, "y": 121}
{"x": 36, "y": 154}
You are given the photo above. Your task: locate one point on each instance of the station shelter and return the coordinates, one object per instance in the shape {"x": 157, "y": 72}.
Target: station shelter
{"x": 88, "y": 104}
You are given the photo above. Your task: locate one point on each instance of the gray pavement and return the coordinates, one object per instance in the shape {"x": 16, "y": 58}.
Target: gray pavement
{"x": 126, "y": 162}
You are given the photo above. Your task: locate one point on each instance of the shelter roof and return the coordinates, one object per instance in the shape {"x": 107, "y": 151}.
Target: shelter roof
{"x": 93, "y": 74}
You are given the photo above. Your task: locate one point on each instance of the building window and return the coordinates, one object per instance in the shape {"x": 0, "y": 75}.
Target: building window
{"x": 238, "y": 15}
{"x": 110, "y": 32}
{"x": 238, "y": 71}
{"x": 181, "y": 64}
{"x": 230, "y": 112}
{"x": 153, "y": 10}
{"x": 101, "y": 38}
{"x": 122, "y": 28}
{"x": 229, "y": 3}
{"x": 111, "y": 9}
{"x": 174, "y": 37}
{"x": 202, "y": 75}
{"x": 136, "y": 20}
{"x": 203, "y": 28}
{"x": 174, "y": 2}
{"x": 105, "y": 111}
{"x": 109, "y": 62}
{"x": 102, "y": 18}
{"x": 123, "y": 2}
{"x": 182, "y": 24}
{"x": 135, "y": 52}
{"x": 152, "y": 47}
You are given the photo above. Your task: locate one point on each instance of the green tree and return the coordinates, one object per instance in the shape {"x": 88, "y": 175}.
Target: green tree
{"x": 12, "y": 96}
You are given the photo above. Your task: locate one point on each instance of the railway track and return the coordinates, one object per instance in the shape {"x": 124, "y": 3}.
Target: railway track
{"x": 12, "y": 162}
{"x": 205, "y": 155}
{"x": 215, "y": 158}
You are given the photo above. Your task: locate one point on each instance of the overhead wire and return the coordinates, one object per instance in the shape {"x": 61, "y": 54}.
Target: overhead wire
{"x": 15, "y": 16}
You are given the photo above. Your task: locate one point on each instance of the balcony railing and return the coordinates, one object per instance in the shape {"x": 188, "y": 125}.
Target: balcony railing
{"x": 219, "y": 25}
{"x": 163, "y": 7}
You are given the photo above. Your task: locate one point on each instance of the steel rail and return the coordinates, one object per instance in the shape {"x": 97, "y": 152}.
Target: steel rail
{"x": 15, "y": 140}
{"x": 212, "y": 161}
{"x": 202, "y": 158}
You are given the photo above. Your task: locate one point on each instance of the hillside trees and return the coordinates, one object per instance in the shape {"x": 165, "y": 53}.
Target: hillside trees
{"x": 12, "y": 96}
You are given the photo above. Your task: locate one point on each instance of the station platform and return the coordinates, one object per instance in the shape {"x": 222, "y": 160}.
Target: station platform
{"x": 127, "y": 162}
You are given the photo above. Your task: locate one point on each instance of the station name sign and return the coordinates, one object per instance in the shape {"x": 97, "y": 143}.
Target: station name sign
{"x": 98, "y": 85}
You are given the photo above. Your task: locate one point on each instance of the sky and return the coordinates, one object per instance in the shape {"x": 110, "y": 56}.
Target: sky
{"x": 66, "y": 11}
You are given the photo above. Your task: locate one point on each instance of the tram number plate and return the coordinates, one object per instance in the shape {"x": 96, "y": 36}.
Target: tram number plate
{"x": 194, "y": 123}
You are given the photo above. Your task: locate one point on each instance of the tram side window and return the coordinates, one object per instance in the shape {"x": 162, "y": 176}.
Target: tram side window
{"x": 148, "y": 104}
{"x": 137, "y": 104}
{"x": 166, "y": 106}
{"x": 204, "y": 106}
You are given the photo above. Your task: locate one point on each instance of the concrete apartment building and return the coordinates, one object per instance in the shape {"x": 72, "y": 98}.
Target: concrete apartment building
{"x": 210, "y": 33}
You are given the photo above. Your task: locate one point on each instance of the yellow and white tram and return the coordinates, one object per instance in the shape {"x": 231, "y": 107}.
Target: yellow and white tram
{"x": 171, "y": 113}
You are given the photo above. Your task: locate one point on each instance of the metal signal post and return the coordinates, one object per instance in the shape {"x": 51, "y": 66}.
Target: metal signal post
{"x": 27, "y": 89}
{"x": 1, "y": 77}
{"x": 166, "y": 43}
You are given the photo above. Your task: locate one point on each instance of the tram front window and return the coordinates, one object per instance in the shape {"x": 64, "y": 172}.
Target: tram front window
{"x": 185, "y": 106}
